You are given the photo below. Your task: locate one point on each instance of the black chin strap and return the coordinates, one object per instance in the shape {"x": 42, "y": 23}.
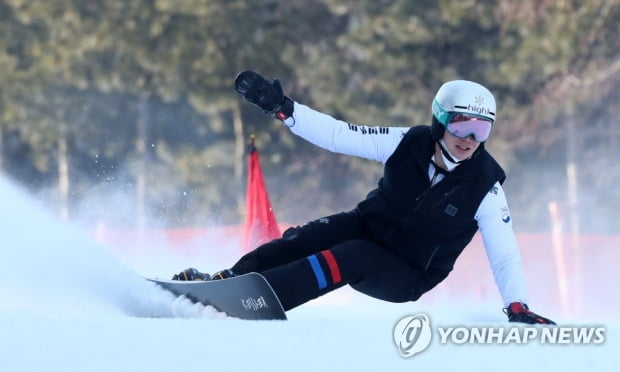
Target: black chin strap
{"x": 439, "y": 169}
{"x": 447, "y": 154}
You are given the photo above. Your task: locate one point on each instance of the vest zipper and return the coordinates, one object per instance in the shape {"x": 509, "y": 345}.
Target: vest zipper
{"x": 428, "y": 263}
{"x": 419, "y": 201}
{"x": 445, "y": 196}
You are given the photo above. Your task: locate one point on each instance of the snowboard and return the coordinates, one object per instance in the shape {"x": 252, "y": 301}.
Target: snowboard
{"x": 247, "y": 296}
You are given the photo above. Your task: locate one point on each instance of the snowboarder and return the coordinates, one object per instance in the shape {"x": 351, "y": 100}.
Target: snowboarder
{"x": 439, "y": 187}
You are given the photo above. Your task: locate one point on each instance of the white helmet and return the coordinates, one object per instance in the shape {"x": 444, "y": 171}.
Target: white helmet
{"x": 461, "y": 96}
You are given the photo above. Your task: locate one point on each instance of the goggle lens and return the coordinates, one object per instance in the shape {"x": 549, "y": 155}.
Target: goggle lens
{"x": 464, "y": 125}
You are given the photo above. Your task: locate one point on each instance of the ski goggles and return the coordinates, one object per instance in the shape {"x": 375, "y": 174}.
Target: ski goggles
{"x": 465, "y": 125}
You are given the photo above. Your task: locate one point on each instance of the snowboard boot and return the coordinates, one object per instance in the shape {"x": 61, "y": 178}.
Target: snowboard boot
{"x": 223, "y": 274}
{"x": 191, "y": 274}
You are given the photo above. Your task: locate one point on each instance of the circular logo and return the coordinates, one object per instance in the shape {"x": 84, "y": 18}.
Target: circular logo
{"x": 412, "y": 334}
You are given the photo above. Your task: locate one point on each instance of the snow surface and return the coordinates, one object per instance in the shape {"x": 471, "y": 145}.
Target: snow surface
{"x": 69, "y": 304}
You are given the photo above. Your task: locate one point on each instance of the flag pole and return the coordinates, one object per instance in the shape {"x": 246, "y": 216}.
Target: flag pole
{"x": 260, "y": 222}
{"x": 252, "y": 141}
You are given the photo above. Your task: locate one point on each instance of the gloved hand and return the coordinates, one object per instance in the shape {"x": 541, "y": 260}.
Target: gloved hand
{"x": 267, "y": 96}
{"x": 520, "y": 312}
{"x": 191, "y": 274}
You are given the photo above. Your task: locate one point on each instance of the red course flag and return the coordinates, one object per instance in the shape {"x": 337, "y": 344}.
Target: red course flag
{"x": 260, "y": 222}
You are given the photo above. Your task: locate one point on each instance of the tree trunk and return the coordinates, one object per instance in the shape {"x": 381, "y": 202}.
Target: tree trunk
{"x": 141, "y": 138}
{"x": 239, "y": 156}
{"x": 1, "y": 147}
{"x": 572, "y": 177}
{"x": 63, "y": 172}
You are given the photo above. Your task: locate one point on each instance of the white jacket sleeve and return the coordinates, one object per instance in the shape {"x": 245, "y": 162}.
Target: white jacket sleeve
{"x": 374, "y": 143}
{"x": 495, "y": 225}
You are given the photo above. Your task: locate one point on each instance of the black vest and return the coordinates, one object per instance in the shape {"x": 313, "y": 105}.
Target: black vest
{"x": 428, "y": 226}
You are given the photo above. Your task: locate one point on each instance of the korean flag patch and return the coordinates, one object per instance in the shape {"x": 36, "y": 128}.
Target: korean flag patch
{"x": 505, "y": 214}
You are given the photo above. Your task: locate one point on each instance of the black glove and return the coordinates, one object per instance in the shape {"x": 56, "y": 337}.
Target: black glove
{"x": 191, "y": 274}
{"x": 520, "y": 312}
{"x": 267, "y": 96}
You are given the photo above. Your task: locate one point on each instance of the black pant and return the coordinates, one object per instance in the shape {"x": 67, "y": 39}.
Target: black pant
{"x": 327, "y": 253}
